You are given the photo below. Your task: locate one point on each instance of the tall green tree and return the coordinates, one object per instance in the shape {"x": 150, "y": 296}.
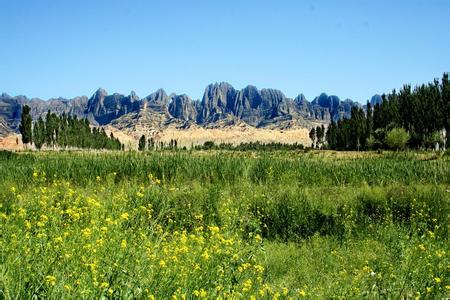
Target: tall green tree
{"x": 39, "y": 133}
{"x": 331, "y": 135}
{"x": 423, "y": 112}
{"x": 68, "y": 131}
{"x": 151, "y": 144}
{"x": 358, "y": 128}
{"x": 312, "y": 136}
{"x": 369, "y": 120}
{"x": 319, "y": 136}
{"x": 445, "y": 92}
{"x": 25, "y": 126}
{"x": 141, "y": 145}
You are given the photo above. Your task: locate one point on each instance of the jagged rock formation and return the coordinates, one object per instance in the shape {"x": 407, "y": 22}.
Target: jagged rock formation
{"x": 221, "y": 104}
{"x": 182, "y": 108}
{"x": 103, "y": 108}
{"x": 11, "y": 108}
{"x": 4, "y": 128}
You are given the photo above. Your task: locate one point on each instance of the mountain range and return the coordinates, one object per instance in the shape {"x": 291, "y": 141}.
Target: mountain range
{"x": 221, "y": 104}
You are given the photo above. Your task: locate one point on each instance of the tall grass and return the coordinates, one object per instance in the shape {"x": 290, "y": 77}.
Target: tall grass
{"x": 223, "y": 224}
{"x": 225, "y": 168}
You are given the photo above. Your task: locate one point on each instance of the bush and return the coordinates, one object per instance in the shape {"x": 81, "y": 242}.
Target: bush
{"x": 397, "y": 139}
{"x": 208, "y": 145}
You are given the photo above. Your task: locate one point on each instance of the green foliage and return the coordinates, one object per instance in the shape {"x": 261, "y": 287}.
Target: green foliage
{"x": 249, "y": 146}
{"x": 312, "y": 136}
{"x": 25, "y": 125}
{"x": 71, "y": 132}
{"x": 223, "y": 224}
{"x": 372, "y": 143}
{"x": 397, "y": 139}
{"x": 208, "y": 145}
{"x": 436, "y": 138}
{"x": 141, "y": 145}
{"x": 39, "y": 133}
{"x": 421, "y": 111}
{"x": 151, "y": 144}
{"x": 320, "y": 133}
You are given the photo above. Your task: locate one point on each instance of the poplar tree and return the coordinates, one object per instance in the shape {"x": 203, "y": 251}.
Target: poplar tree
{"x": 39, "y": 133}
{"x": 141, "y": 146}
{"x": 319, "y": 136}
{"x": 312, "y": 136}
{"x": 25, "y": 126}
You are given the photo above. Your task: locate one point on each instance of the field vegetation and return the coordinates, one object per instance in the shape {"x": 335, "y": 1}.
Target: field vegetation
{"x": 224, "y": 224}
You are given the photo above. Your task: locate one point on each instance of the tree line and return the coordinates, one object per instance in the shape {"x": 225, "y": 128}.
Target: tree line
{"x": 249, "y": 146}
{"x": 152, "y": 144}
{"x": 414, "y": 118}
{"x": 64, "y": 131}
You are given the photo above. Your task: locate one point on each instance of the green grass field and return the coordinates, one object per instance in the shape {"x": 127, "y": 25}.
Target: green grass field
{"x": 222, "y": 224}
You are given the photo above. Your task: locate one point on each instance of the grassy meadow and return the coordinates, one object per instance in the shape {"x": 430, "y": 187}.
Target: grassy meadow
{"x": 224, "y": 224}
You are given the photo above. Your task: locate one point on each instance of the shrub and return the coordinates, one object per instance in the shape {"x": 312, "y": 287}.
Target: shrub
{"x": 397, "y": 139}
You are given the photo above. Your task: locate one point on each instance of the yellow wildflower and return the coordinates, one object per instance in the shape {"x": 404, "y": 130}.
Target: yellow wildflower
{"x": 259, "y": 268}
{"x": 103, "y": 285}
{"x": 28, "y": 224}
{"x": 51, "y": 280}
{"x": 258, "y": 238}
{"x": 22, "y": 212}
{"x": 247, "y": 285}
{"x": 203, "y": 293}
{"x": 124, "y": 216}
{"x": 86, "y": 232}
{"x": 205, "y": 255}
{"x": 214, "y": 229}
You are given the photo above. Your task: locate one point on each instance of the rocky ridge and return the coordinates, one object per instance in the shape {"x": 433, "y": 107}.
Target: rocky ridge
{"x": 221, "y": 104}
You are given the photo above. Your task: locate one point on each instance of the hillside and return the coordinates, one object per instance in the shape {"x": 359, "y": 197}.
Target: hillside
{"x": 224, "y": 114}
{"x": 221, "y": 105}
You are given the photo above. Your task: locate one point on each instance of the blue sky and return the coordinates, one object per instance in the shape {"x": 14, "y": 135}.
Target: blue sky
{"x": 352, "y": 49}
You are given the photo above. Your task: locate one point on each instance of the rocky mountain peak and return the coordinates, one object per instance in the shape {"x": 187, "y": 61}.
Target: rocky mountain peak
{"x": 300, "y": 99}
{"x": 159, "y": 96}
{"x": 133, "y": 96}
{"x": 220, "y": 102}
{"x": 217, "y": 101}
{"x": 182, "y": 107}
{"x": 100, "y": 93}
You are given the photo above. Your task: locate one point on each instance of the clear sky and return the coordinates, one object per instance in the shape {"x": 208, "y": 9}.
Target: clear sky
{"x": 352, "y": 49}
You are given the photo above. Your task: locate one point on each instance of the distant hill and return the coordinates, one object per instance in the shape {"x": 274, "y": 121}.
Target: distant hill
{"x": 221, "y": 104}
